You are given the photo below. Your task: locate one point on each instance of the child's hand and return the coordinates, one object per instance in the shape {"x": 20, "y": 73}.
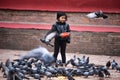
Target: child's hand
{"x": 65, "y": 34}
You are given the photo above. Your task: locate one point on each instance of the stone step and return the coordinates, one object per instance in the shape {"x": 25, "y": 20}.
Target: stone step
{"x": 42, "y": 17}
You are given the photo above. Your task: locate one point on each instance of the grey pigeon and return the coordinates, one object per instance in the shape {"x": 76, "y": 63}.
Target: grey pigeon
{"x": 114, "y": 64}
{"x": 118, "y": 68}
{"x": 86, "y": 74}
{"x": 40, "y": 53}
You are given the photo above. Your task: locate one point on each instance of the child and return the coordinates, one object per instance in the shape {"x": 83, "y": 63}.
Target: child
{"x": 62, "y": 37}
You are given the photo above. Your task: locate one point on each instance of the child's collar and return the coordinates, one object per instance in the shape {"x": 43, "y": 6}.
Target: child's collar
{"x": 61, "y": 23}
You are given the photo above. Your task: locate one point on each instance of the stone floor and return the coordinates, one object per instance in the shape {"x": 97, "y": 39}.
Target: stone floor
{"x": 96, "y": 59}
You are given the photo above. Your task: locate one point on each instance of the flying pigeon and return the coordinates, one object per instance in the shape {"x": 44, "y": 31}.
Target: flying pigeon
{"x": 40, "y": 53}
{"x": 98, "y": 14}
{"x": 48, "y": 37}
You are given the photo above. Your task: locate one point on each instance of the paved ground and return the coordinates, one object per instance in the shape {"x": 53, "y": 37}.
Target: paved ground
{"x": 96, "y": 59}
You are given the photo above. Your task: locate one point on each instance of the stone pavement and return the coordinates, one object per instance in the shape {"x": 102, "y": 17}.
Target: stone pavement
{"x": 96, "y": 59}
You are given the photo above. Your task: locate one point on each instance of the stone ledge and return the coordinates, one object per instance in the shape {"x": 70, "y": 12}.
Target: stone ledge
{"x": 50, "y": 17}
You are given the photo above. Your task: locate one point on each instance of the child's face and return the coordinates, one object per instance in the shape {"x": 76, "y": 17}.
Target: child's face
{"x": 62, "y": 19}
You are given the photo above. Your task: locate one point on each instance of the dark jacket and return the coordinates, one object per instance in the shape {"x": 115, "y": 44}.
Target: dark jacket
{"x": 60, "y": 28}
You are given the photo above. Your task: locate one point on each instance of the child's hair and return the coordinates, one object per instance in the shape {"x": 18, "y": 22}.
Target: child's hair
{"x": 59, "y": 14}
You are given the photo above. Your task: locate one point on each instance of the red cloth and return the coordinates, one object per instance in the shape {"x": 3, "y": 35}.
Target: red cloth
{"x": 111, "y": 6}
{"x": 73, "y": 28}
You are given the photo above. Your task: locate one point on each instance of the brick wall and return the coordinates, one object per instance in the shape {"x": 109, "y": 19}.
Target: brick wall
{"x": 82, "y": 42}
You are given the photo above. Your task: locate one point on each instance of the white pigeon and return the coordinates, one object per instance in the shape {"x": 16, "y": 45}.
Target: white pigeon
{"x": 98, "y": 14}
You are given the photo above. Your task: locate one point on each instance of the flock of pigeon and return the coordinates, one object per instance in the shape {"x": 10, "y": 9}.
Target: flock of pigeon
{"x": 42, "y": 65}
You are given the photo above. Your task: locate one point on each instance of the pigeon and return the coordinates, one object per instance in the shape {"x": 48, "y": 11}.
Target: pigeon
{"x": 72, "y": 61}
{"x": 68, "y": 62}
{"x": 95, "y": 70}
{"x": 106, "y": 72}
{"x": 114, "y": 64}
{"x": 9, "y": 65}
{"x": 108, "y": 64}
{"x": 49, "y": 74}
{"x": 22, "y": 76}
{"x": 68, "y": 73}
{"x": 100, "y": 75}
{"x": 58, "y": 63}
{"x": 92, "y": 71}
{"x": 9, "y": 70}
{"x": 86, "y": 74}
{"x": 74, "y": 57}
{"x": 83, "y": 60}
{"x": 87, "y": 60}
{"x": 80, "y": 63}
{"x": 37, "y": 76}
{"x": 77, "y": 72}
{"x": 5, "y": 71}
{"x": 52, "y": 69}
{"x": 48, "y": 37}
{"x": 98, "y": 14}
{"x": 40, "y": 53}
{"x": 1, "y": 63}
{"x": 118, "y": 68}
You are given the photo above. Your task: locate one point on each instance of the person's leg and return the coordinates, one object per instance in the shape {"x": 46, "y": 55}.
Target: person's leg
{"x": 56, "y": 50}
{"x": 63, "y": 52}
